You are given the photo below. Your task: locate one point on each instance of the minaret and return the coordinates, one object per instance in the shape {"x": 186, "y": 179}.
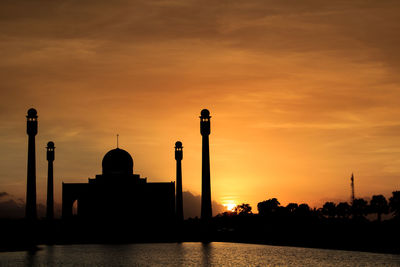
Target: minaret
{"x": 179, "y": 197}
{"x": 206, "y": 211}
{"x": 31, "y": 130}
{"x": 50, "y": 183}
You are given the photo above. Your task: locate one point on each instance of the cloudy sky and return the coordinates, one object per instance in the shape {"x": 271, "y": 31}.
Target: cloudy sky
{"x": 301, "y": 93}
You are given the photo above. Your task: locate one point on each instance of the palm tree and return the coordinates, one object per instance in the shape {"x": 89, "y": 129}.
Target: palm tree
{"x": 329, "y": 209}
{"x": 394, "y": 203}
{"x": 379, "y": 205}
{"x": 343, "y": 209}
{"x": 291, "y": 208}
{"x": 359, "y": 208}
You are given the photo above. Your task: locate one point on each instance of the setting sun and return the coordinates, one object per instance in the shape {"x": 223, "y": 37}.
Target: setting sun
{"x": 230, "y": 206}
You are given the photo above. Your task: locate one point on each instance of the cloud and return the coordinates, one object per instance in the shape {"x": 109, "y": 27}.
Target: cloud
{"x": 192, "y": 206}
{"x": 11, "y": 207}
{"x": 14, "y": 208}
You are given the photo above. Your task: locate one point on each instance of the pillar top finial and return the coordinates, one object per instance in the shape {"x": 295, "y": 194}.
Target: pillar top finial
{"x": 32, "y": 113}
{"x": 50, "y": 144}
{"x": 178, "y": 144}
{"x": 205, "y": 113}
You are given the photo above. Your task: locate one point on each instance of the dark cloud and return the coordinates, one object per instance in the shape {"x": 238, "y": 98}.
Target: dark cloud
{"x": 192, "y": 206}
{"x": 260, "y": 25}
{"x": 12, "y": 208}
{"x": 15, "y": 208}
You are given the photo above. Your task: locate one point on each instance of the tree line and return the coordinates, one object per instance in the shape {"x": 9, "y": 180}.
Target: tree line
{"x": 358, "y": 209}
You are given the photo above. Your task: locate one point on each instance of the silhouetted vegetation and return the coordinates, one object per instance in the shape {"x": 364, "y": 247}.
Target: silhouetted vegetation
{"x": 358, "y": 225}
{"x": 329, "y": 209}
{"x": 268, "y": 207}
{"x": 343, "y": 210}
{"x": 394, "y": 203}
{"x": 359, "y": 208}
{"x": 379, "y": 205}
{"x": 243, "y": 209}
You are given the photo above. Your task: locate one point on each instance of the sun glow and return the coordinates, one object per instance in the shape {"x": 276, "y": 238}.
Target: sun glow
{"x": 230, "y": 206}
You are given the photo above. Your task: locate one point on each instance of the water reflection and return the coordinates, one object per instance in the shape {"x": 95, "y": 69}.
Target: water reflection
{"x": 206, "y": 250}
{"x": 180, "y": 253}
{"x": 31, "y": 257}
{"x": 50, "y": 254}
{"x": 192, "y": 254}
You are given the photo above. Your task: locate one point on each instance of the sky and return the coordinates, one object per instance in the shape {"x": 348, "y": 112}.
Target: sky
{"x": 301, "y": 94}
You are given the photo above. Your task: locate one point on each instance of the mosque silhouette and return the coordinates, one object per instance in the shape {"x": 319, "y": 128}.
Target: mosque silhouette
{"x": 118, "y": 194}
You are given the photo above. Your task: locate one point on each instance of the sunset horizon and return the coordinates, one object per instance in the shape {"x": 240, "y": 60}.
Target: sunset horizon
{"x": 302, "y": 95}
{"x": 227, "y": 202}
{"x": 199, "y": 133}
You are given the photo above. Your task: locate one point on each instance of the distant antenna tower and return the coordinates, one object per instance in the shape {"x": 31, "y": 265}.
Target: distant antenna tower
{"x": 352, "y": 188}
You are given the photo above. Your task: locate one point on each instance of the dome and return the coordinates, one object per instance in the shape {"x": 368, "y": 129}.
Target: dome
{"x": 117, "y": 161}
{"x": 50, "y": 144}
{"x": 205, "y": 113}
{"x": 32, "y": 113}
{"x": 178, "y": 144}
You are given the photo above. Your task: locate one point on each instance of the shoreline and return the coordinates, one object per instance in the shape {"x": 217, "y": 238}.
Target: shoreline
{"x": 20, "y": 235}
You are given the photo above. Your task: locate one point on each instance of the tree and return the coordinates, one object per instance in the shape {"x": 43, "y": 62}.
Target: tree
{"x": 226, "y": 214}
{"x": 303, "y": 210}
{"x": 343, "y": 210}
{"x": 268, "y": 206}
{"x": 394, "y": 203}
{"x": 329, "y": 209}
{"x": 359, "y": 208}
{"x": 379, "y": 205}
{"x": 243, "y": 209}
{"x": 291, "y": 208}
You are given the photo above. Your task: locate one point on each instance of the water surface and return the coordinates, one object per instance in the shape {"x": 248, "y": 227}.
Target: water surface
{"x": 192, "y": 254}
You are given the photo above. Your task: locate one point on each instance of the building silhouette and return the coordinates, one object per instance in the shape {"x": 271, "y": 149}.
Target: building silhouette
{"x": 179, "y": 197}
{"x": 50, "y": 181}
{"x": 119, "y": 195}
{"x": 206, "y": 210}
{"x": 31, "y": 130}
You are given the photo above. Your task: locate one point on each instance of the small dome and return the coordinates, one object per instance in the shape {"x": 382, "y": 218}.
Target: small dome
{"x": 50, "y": 144}
{"x": 117, "y": 161}
{"x": 32, "y": 113}
{"x": 178, "y": 144}
{"x": 205, "y": 113}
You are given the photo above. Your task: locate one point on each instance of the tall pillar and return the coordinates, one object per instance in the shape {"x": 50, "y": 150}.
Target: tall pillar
{"x": 31, "y": 130}
{"x": 50, "y": 182}
{"x": 179, "y": 197}
{"x": 206, "y": 211}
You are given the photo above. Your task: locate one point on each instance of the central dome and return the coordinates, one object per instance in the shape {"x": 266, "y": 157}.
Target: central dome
{"x": 117, "y": 161}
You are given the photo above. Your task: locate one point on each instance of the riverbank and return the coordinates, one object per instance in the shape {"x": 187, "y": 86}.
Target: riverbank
{"x": 349, "y": 235}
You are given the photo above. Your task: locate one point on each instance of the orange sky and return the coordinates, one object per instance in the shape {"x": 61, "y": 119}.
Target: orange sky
{"x": 301, "y": 93}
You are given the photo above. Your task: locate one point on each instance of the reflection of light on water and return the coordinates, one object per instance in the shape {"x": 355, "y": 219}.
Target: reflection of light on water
{"x": 192, "y": 254}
